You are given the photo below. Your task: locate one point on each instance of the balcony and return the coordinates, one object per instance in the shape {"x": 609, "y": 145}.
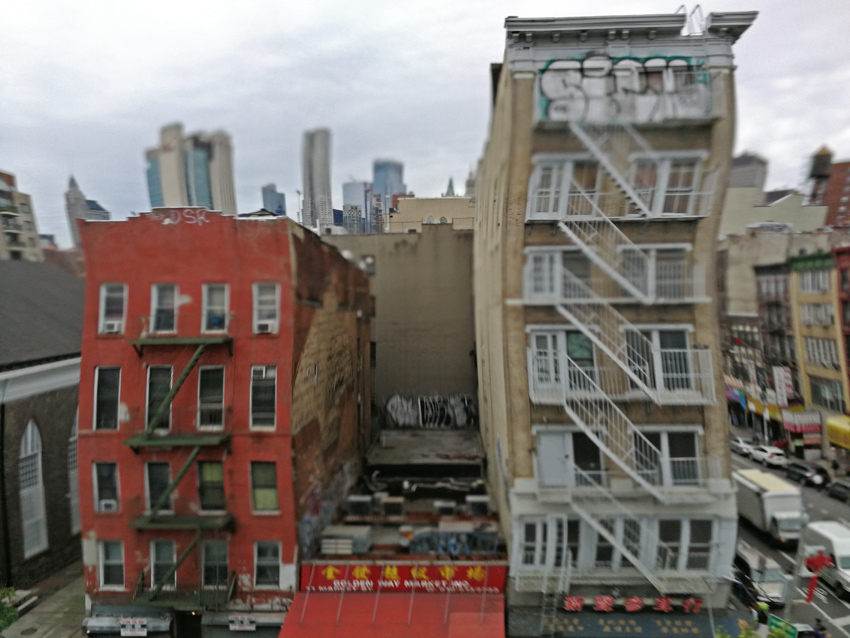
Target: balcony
{"x": 10, "y": 225}
{"x": 665, "y": 283}
{"x": 570, "y": 91}
{"x": 677, "y": 377}
{"x": 13, "y": 242}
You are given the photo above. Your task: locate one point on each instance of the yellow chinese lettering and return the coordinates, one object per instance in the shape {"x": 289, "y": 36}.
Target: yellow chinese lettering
{"x": 361, "y": 572}
{"x": 391, "y": 572}
{"x": 419, "y": 573}
{"x": 330, "y": 572}
{"x": 447, "y": 572}
{"x": 475, "y": 573}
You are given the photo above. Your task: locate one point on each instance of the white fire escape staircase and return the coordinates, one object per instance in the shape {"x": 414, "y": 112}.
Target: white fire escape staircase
{"x": 589, "y": 407}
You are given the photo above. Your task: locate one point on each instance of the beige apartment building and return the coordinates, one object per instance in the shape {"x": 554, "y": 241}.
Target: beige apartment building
{"x": 598, "y": 204}
{"x": 413, "y": 212}
{"x": 18, "y": 230}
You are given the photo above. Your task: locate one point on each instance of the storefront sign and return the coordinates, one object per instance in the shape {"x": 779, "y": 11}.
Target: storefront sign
{"x": 632, "y": 604}
{"x": 751, "y": 369}
{"x": 242, "y": 623}
{"x": 801, "y": 422}
{"x": 134, "y": 627}
{"x": 780, "y": 628}
{"x": 784, "y": 384}
{"x": 398, "y": 577}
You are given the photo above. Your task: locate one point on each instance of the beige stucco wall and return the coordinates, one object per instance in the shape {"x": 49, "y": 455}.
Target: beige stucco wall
{"x": 413, "y": 212}
{"x": 739, "y": 211}
{"x": 423, "y": 325}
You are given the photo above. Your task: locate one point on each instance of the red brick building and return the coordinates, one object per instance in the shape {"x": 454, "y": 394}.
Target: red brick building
{"x": 224, "y": 409}
{"x": 837, "y": 195}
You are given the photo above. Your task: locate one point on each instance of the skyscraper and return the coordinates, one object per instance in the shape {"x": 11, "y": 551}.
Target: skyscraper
{"x": 356, "y": 205}
{"x": 18, "y": 232}
{"x": 273, "y": 201}
{"x": 78, "y": 207}
{"x": 388, "y": 179}
{"x": 192, "y": 170}
{"x": 316, "y": 173}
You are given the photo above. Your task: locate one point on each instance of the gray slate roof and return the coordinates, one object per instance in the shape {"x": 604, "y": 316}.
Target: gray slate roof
{"x": 41, "y": 313}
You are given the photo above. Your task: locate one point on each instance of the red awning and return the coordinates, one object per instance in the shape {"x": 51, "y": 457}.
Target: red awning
{"x": 416, "y": 615}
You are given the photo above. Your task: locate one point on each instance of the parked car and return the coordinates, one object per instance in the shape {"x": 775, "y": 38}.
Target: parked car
{"x": 807, "y": 473}
{"x": 760, "y": 579}
{"x": 839, "y": 490}
{"x": 740, "y": 445}
{"x": 769, "y": 455}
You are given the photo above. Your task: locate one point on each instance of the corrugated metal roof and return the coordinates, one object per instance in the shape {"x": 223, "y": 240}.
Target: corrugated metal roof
{"x": 41, "y": 313}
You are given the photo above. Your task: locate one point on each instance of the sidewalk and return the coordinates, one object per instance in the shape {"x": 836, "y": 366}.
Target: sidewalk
{"x": 59, "y": 611}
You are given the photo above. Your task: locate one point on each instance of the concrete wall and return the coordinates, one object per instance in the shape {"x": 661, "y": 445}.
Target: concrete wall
{"x": 740, "y": 209}
{"x": 413, "y": 212}
{"x": 423, "y": 326}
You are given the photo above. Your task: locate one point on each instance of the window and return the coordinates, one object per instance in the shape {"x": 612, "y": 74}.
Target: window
{"x": 553, "y": 352}
{"x": 264, "y": 486}
{"x": 33, "y": 515}
{"x": 107, "y": 391}
{"x": 215, "y": 308}
{"x": 215, "y": 564}
{"x": 822, "y": 352}
{"x": 159, "y": 385}
{"x": 163, "y": 561}
{"x": 699, "y": 548}
{"x": 568, "y": 459}
{"x": 534, "y": 543}
{"x": 158, "y": 479}
{"x": 660, "y": 355}
{"x": 211, "y": 397}
{"x": 669, "y": 548}
{"x": 660, "y": 272}
{"x": 669, "y": 185}
{"x": 814, "y": 281}
{"x": 685, "y": 544}
{"x": 819, "y": 314}
{"x": 267, "y": 564}
{"x": 164, "y": 307}
{"x": 827, "y": 393}
{"x": 106, "y": 487}
{"x": 604, "y": 548}
{"x": 211, "y": 485}
{"x": 546, "y": 542}
{"x": 74, "y": 478}
{"x": 579, "y": 179}
{"x": 112, "y": 308}
{"x": 266, "y": 304}
{"x": 263, "y": 396}
{"x": 112, "y": 564}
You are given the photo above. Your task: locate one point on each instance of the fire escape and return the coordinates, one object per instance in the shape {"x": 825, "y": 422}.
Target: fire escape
{"x": 664, "y": 377}
{"x": 152, "y": 438}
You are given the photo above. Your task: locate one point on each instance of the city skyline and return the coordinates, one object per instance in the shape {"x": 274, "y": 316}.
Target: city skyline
{"x": 435, "y": 122}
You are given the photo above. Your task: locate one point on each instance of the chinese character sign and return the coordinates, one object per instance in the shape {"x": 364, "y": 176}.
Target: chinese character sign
{"x": 432, "y": 577}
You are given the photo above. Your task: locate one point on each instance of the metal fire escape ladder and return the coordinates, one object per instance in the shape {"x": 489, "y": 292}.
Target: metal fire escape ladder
{"x": 608, "y": 329}
{"x": 611, "y": 430}
{"x": 552, "y": 595}
{"x": 170, "y": 573}
{"x": 166, "y": 402}
{"x": 623, "y": 138}
{"x": 166, "y": 493}
{"x": 636, "y": 536}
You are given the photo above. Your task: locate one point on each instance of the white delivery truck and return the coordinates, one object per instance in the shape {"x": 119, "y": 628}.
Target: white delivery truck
{"x": 833, "y": 539}
{"x": 771, "y": 504}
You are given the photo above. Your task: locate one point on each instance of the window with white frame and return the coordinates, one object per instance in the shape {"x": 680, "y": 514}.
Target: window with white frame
{"x": 662, "y": 273}
{"x": 159, "y": 385}
{"x": 816, "y": 314}
{"x": 660, "y": 358}
{"x": 33, "y": 514}
{"x": 215, "y": 302}
{"x": 211, "y": 397}
{"x": 685, "y": 544}
{"x": 111, "y": 564}
{"x": 266, "y": 305}
{"x": 107, "y": 384}
{"x": 163, "y": 561}
{"x": 669, "y": 185}
{"x": 158, "y": 479}
{"x": 605, "y": 557}
{"x": 677, "y": 462}
{"x": 267, "y": 564}
{"x": 561, "y": 360}
{"x": 113, "y": 308}
{"x": 211, "y": 486}
{"x": 215, "y": 564}
{"x": 264, "y": 486}
{"x": 564, "y": 187}
{"x": 548, "y": 279}
{"x": 106, "y": 497}
{"x": 822, "y": 352}
{"x": 814, "y": 280}
{"x": 164, "y": 307}
{"x": 546, "y": 542}
{"x": 827, "y": 393}
{"x": 74, "y": 477}
{"x": 263, "y": 385}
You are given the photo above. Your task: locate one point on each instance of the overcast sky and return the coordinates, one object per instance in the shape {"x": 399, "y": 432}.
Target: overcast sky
{"x": 85, "y": 87}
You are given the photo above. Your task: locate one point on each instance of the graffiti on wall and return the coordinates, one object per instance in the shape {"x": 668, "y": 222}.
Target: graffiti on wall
{"x": 456, "y": 411}
{"x": 601, "y": 88}
{"x": 168, "y": 216}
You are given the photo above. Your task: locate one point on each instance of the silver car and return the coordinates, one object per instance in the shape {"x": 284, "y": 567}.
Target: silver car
{"x": 740, "y": 445}
{"x": 769, "y": 455}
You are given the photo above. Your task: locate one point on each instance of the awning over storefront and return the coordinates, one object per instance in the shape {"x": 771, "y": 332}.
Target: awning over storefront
{"x": 379, "y": 615}
{"x": 799, "y": 422}
{"x": 838, "y": 431}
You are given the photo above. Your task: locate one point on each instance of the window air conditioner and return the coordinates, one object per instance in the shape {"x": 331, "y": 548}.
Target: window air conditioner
{"x": 445, "y": 508}
{"x": 107, "y": 505}
{"x": 360, "y": 505}
{"x": 478, "y": 505}
{"x": 266, "y": 327}
{"x": 111, "y": 327}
